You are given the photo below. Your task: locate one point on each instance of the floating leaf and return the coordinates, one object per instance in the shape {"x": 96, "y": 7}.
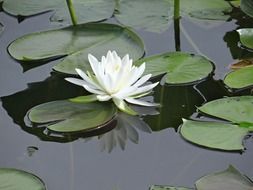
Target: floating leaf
{"x": 229, "y": 179}
{"x": 149, "y": 15}
{"x": 66, "y": 116}
{"x": 241, "y": 78}
{"x": 210, "y": 10}
{"x": 86, "y": 11}
{"x": 235, "y": 109}
{"x": 13, "y": 179}
{"x": 180, "y": 67}
{"x": 215, "y": 135}
{"x": 77, "y": 42}
{"x": 165, "y": 187}
{"x": 242, "y": 63}
{"x": 247, "y": 7}
{"x": 246, "y": 37}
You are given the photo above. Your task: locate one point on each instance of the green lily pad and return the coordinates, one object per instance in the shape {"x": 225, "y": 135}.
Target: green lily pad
{"x": 247, "y": 7}
{"x": 13, "y": 179}
{"x": 149, "y": 15}
{"x": 86, "y": 11}
{"x": 214, "y": 135}
{"x": 246, "y": 37}
{"x": 230, "y": 179}
{"x": 180, "y": 67}
{"x": 165, "y": 187}
{"x": 68, "y": 117}
{"x": 238, "y": 110}
{"x": 155, "y": 16}
{"x": 210, "y": 10}
{"x": 241, "y": 78}
{"x": 77, "y": 42}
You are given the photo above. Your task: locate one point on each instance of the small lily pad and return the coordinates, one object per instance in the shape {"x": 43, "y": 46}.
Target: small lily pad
{"x": 238, "y": 110}
{"x": 76, "y": 42}
{"x": 247, "y": 7}
{"x": 149, "y": 15}
{"x": 68, "y": 117}
{"x": 86, "y": 11}
{"x": 165, "y": 187}
{"x": 214, "y": 135}
{"x": 179, "y": 67}
{"x": 241, "y": 78}
{"x": 246, "y": 37}
{"x": 13, "y": 179}
{"x": 230, "y": 179}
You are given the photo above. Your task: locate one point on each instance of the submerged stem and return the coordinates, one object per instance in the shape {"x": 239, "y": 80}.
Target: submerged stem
{"x": 177, "y": 24}
{"x": 72, "y": 12}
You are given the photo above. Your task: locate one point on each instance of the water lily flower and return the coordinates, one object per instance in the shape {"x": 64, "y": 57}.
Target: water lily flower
{"x": 115, "y": 79}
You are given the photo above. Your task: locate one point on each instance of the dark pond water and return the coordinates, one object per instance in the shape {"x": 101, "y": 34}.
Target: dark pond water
{"x": 160, "y": 157}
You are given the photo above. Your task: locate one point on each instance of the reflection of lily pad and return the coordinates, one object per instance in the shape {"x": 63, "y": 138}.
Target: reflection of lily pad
{"x": 180, "y": 67}
{"x": 214, "y": 135}
{"x": 66, "y": 116}
{"x": 241, "y": 78}
{"x": 247, "y": 7}
{"x": 145, "y": 14}
{"x": 229, "y": 179}
{"x": 77, "y": 42}
{"x": 246, "y": 37}
{"x": 13, "y": 179}
{"x": 87, "y": 11}
{"x": 1, "y": 28}
{"x": 238, "y": 110}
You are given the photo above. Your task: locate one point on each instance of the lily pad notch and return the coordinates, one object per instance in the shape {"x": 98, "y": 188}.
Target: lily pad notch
{"x": 178, "y": 68}
{"x": 222, "y": 135}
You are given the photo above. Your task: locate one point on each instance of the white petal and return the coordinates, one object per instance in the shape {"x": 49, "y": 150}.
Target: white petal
{"x": 76, "y": 81}
{"x": 144, "y": 89}
{"x": 142, "y": 80}
{"x": 125, "y": 92}
{"x": 103, "y": 97}
{"x": 92, "y": 90}
{"x": 140, "y": 102}
{"x": 88, "y": 79}
{"x": 137, "y": 72}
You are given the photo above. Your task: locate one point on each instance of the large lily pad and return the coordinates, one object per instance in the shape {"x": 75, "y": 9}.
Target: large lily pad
{"x": 149, "y": 15}
{"x": 86, "y": 11}
{"x": 230, "y": 179}
{"x": 246, "y": 37}
{"x": 13, "y": 179}
{"x": 180, "y": 67}
{"x": 247, "y": 7}
{"x": 67, "y": 117}
{"x": 241, "y": 78}
{"x": 238, "y": 110}
{"x": 215, "y": 135}
{"x": 77, "y": 42}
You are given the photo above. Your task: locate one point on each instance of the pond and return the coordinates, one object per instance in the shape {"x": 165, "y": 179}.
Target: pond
{"x": 151, "y": 154}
